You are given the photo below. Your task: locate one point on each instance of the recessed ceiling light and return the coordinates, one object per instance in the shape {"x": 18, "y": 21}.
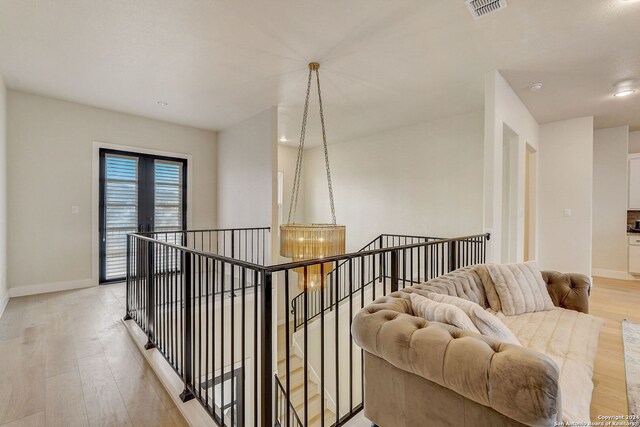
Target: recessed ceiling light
{"x": 162, "y": 103}
{"x": 535, "y": 87}
{"x": 625, "y": 84}
{"x": 624, "y": 92}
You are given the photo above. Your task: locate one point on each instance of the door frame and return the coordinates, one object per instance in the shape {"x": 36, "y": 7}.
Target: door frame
{"x": 95, "y": 193}
{"x": 149, "y": 200}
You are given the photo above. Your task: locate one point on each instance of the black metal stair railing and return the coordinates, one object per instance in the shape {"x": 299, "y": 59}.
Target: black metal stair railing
{"x": 380, "y": 242}
{"x": 203, "y": 298}
{"x": 331, "y": 362}
{"x": 284, "y": 408}
{"x": 206, "y": 302}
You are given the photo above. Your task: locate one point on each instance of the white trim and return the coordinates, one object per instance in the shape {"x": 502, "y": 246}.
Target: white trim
{"x": 192, "y": 411}
{"x": 95, "y": 192}
{"x": 613, "y": 274}
{"x": 4, "y": 300}
{"x": 43, "y": 288}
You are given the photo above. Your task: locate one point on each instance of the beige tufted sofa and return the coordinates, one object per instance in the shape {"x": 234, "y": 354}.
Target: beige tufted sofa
{"x": 420, "y": 373}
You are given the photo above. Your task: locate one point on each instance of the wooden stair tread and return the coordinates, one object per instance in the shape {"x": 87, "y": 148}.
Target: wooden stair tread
{"x": 294, "y": 363}
{"x": 329, "y": 419}
{"x": 314, "y": 401}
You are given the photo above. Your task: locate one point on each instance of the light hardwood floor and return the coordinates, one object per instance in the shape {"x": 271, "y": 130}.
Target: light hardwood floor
{"x": 612, "y": 300}
{"x": 67, "y": 360}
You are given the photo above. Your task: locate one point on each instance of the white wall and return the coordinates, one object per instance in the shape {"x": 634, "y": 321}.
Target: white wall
{"x": 610, "y": 151}
{"x": 4, "y": 295}
{"x": 421, "y": 179}
{"x": 287, "y": 157}
{"x": 248, "y": 183}
{"x": 634, "y": 142}
{"x": 247, "y": 178}
{"x": 566, "y": 182}
{"x": 503, "y": 108}
{"x": 50, "y": 153}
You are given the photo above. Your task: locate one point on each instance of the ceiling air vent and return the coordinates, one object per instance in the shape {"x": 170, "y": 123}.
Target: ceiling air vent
{"x": 480, "y": 8}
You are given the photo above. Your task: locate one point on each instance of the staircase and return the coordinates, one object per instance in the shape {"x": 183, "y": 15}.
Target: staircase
{"x": 296, "y": 366}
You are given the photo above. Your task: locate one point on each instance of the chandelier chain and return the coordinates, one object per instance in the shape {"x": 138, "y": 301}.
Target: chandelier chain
{"x": 299, "y": 161}
{"x": 326, "y": 150}
{"x": 296, "y": 179}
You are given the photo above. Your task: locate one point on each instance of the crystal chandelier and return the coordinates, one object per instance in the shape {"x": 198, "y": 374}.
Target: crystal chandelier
{"x": 311, "y": 241}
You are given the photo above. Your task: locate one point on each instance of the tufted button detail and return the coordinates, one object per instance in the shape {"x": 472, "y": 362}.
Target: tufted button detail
{"x": 390, "y": 316}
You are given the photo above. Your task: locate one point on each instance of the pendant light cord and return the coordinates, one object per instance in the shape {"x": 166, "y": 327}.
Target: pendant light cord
{"x": 299, "y": 161}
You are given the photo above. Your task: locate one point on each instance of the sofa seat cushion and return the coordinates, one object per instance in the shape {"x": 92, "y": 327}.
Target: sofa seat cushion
{"x": 570, "y": 339}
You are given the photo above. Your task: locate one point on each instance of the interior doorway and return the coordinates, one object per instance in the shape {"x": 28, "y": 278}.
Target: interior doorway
{"x": 530, "y": 181}
{"x": 510, "y": 172}
{"x": 138, "y": 193}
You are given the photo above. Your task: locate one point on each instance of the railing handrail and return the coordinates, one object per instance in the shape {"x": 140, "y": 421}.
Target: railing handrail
{"x": 379, "y": 237}
{"x": 409, "y": 236}
{"x": 208, "y": 230}
{"x": 232, "y": 261}
{"x": 378, "y": 240}
{"x": 352, "y": 255}
{"x": 306, "y": 263}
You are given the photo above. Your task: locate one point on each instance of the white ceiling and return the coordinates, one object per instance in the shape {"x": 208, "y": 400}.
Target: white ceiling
{"x": 384, "y": 63}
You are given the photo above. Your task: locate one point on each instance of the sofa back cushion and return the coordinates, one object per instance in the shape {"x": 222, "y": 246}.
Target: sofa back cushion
{"x": 464, "y": 283}
{"x": 441, "y": 312}
{"x": 489, "y": 287}
{"x": 487, "y": 323}
{"x": 520, "y": 288}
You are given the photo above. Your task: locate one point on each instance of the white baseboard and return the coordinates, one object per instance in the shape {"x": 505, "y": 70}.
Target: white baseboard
{"x": 4, "y": 300}
{"x": 43, "y": 288}
{"x": 613, "y": 274}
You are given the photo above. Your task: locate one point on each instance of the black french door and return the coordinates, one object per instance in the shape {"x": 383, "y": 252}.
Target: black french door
{"x": 138, "y": 193}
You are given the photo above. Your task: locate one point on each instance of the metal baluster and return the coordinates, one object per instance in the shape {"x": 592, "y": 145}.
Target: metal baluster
{"x": 306, "y": 347}
{"x": 150, "y": 297}
{"x": 266, "y": 334}
{"x": 287, "y": 347}
{"x": 222, "y": 331}
{"x": 350, "y": 341}
{"x": 186, "y": 394}
{"x": 241, "y": 395}
{"x": 394, "y": 271}
{"x": 337, "y": 348}
{"x": 127, "y": 315}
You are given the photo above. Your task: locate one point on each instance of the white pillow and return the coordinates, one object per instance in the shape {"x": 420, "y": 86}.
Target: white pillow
{"x": 520, "y": 288}
{"x": 440, "y": 312}
{"x": 487, "y": 323}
